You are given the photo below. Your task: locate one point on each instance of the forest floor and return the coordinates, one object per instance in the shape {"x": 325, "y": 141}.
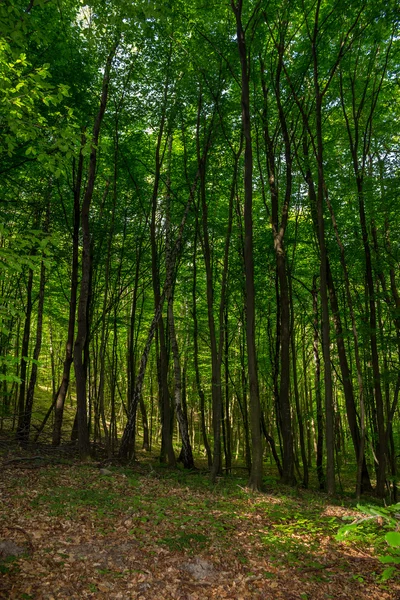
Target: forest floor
{"x": 73, "y": 531}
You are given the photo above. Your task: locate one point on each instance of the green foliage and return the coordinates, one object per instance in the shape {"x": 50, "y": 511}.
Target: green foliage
{"x": 185, "y": 541}
{"x": 374, "y": 529}
{"x": 175, "y": 80}
{"x": 28, "y": 114}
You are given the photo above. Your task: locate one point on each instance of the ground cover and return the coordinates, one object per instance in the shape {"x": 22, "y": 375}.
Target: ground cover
{"x": 145, "y": 532}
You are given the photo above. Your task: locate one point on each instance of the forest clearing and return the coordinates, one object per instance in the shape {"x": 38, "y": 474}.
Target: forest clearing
{"x": 199, "y": 299}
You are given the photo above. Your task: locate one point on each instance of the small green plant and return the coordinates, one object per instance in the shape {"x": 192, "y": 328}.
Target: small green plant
{"x": 381, "y": 526}
{"x": 8, "y": 564}
{"x": 185, "y": 541}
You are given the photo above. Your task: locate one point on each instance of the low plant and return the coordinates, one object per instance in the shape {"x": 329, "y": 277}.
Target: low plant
{"x": 380, "y": 526}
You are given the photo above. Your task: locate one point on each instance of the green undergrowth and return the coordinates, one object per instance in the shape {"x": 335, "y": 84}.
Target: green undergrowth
{"x": 378, "y": 527}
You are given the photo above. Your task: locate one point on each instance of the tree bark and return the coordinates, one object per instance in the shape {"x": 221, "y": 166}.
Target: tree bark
{"x": 24, "y": 355}
{"x": 329, "y": 411}
{"x": 318, "y": 400}
{"x": 83, "y": 333}
{"x": 63, "y": 389}
{"x": 255, "y": 481}
{"x": 199, "y": 386}
{"x": 26, "y": 423}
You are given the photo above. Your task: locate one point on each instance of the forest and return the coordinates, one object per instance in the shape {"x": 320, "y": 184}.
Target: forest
{"x": 199, "y": 235}
{"x": 199, "y": 299}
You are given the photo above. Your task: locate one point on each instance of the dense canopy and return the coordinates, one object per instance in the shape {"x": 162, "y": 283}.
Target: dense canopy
{"x": 199, "y": 241}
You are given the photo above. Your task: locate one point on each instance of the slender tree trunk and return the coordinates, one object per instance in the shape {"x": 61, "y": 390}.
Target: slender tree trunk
{"x": 255, "y": 481}
{"x": 216, "y": 391}
{"x": 347, "y": 383}
{"x": 228, "y": 425}
{"x": 278, "y": 230}
{"x": 63, "y": 389}
{"x": 318, "y": 400}
{"x": 329, "y": 411}
{"x": 381, "y": 449}
{"x": 24, "y": 355}
{"x": 297, "y": 397}
{"x": 26, "y": 423}
{"x": 186, "y": 453}
{"x": 83, "y": 333}
{"x": 200, "y": 390}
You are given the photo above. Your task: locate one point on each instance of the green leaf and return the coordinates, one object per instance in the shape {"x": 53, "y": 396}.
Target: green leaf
{"x": 393, "y": 539}
{"x": 388, "y": 559}
{"x": 387, "y": 573}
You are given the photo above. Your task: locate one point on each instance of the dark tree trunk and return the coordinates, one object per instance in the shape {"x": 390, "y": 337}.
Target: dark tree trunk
{"x": 297, "y": 397}
{"x": 278, "y": 231}
{"x": 200, "y": 390}
{"x": 318, "y": 400}
{"x": 329, "y": 411}
{"x": 186, "y": 454}
{"x": 82, "y": 337}
{"x": 351, "y": 410}
{"x": 26, "y": 422}
{"x": 255, "y": 481}
{"x": 216, "y": 393}
{"x": 24, "y": 355}
{"x": 63, "y": 389}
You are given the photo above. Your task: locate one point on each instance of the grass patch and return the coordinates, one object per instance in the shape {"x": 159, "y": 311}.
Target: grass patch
{"x": 193, "y": 542}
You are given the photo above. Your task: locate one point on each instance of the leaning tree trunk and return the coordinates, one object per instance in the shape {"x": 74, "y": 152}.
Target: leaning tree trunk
{"x": 127, "y": 447}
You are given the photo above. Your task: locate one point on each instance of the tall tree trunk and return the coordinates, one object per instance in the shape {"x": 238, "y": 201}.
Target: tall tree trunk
{"x": 329, "y": 411}
{"x": 24, "y": 355}
{"x": 255, "y": 481}
{"x": 199, "y": 386}
{"x": 358, "y": 443}
{"x": 318, "y": 400}
{"x": 167, "y": 451}
{"x": 228, "y": 425}
{"x": 278, "y": 230}
{"x": 186, "y": 454}
{"x": 63, "y": 389}
{"x": 83, "y": 333}
{"x": 26, "y": 423}
{"x": 216, "y": 392}
{"x": 297, "y": 397}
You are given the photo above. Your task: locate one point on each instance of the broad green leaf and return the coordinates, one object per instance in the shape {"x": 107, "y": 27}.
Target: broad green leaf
{"x": 393, "y": 539}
